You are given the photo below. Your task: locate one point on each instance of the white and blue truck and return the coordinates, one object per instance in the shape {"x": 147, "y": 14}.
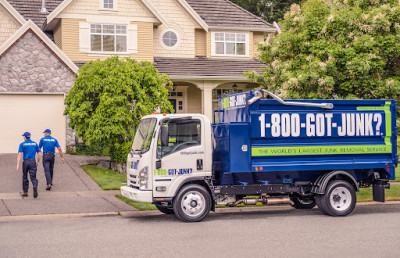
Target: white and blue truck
{"x": 305, "y": 153}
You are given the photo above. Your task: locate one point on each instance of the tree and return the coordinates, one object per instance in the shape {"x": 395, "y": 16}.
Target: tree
{"x": 346, "y": 49}
{"x": 270, "y": 10}
{"x": 109, "y": 98}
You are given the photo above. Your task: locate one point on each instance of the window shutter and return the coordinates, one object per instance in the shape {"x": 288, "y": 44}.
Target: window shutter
{"x": 84, "y": 37}
{"x": 132, "y": 39}
{"x": 247, "y": 44}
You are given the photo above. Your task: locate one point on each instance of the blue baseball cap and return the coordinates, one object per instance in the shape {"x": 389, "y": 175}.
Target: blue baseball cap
{"x": 27, "y": 134}
{"x": 47, "y": 131}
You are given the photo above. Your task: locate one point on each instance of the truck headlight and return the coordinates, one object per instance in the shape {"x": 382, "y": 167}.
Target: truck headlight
{"x": 143, "y": 176}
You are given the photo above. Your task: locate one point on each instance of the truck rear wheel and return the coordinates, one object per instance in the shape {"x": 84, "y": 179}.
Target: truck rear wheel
{"x": 300, "y": 202}
{"x": 339, "y": 199}
{"x": 165, "y": 210}
{"x": 192, "y": 203}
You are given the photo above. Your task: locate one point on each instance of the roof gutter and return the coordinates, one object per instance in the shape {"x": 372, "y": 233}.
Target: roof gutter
{"x": 273, "y": 29}
{"x": 209, "y": 77}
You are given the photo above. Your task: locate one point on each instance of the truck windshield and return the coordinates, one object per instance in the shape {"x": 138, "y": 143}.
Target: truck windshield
{"x": 144, "y": 133}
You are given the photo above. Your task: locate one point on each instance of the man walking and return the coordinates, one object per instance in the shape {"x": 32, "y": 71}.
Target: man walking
{"x": 28, "y": 150}
{"x": 49, "y": 144}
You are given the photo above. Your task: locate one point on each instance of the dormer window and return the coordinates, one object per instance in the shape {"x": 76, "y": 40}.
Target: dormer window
{"x": 230, "y": 44}
{"x": 108, "y": 4}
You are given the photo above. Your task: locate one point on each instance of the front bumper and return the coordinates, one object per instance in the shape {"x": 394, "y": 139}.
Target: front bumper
{"x": 136, "y": 194}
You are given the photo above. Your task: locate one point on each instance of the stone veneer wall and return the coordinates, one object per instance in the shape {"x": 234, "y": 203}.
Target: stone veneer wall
{"x": 30, "y": 66}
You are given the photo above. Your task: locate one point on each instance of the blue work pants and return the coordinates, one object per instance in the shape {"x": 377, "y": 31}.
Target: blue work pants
{"x": 29, "y": 165}
{"x": 48, "y": 165}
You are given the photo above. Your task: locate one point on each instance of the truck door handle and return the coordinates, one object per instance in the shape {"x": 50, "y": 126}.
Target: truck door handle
{"x": 199, "y": 164}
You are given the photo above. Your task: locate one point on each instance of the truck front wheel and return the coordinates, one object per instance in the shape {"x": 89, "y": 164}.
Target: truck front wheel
{"x": 192, "y": 203}
{"x": 339, "y": 199}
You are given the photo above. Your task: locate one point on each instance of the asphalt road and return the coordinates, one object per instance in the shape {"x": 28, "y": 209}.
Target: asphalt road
{"x": 371, "y": 231}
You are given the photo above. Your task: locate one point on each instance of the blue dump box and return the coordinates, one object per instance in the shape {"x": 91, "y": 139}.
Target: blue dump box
{"x": 268, "y": 142}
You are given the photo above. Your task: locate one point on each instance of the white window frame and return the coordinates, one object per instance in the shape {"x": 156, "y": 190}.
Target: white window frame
{"x": 177, "y": 37}
{"x": 114, "y": 4}
{"x": 214, "y": 41}
{"x": 115, "y": 34}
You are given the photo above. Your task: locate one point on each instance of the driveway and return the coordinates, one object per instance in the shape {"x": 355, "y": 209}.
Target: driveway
{"x": 73, "y": 190}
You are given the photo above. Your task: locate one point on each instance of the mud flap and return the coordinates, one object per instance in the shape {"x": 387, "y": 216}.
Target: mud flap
{"x": 378, "y": 190}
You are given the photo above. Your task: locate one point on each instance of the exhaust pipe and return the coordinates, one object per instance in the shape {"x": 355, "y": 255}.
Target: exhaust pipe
{"x": 264, "y": 200}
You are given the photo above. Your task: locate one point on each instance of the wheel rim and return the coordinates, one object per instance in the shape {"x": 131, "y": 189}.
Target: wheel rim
{"x": 193, "y": 203}
{"x": 340, "y": 198}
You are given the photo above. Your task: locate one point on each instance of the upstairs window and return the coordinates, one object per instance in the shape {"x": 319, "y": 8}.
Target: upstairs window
{"x": 230, "y": 44}
{"x": 108, "y": 38}
{"x": 108, "y": 4}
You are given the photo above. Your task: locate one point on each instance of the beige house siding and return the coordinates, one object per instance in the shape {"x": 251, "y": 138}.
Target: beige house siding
{"x": 194, "y": 100}
{"x": 251, "y": 48}
{"x": 128, "y": 8}
{"x": 178, "y": 19}
{"x": 70, "y": 42}
{"x": 57, "y": 35}
{"x": 200, "y": 42}
{"x": 8, "y": 24}
{"x": 258, "y": 38}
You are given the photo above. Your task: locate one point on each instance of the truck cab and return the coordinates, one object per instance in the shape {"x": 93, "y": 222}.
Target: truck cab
{"x": 169, "y": 151}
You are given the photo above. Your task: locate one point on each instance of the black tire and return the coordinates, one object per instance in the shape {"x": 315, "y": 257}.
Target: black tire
{"x": 339, "y": 199}
{"x": 303, "y": 203}
{"x": 192, "y": 203}
{"x": 165, "y": 210}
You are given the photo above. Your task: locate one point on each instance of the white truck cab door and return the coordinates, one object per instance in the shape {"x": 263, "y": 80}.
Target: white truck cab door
{"x": 182, "y": 157}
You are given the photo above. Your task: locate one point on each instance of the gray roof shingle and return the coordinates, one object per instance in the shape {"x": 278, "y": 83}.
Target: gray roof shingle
{"x": 30, "y": 9}
{"x": 202, "y": 66}
{"x": 223, "y": 13}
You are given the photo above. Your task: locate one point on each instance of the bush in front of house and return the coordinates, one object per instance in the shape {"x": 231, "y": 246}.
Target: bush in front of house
{"x": 109, "y": 98}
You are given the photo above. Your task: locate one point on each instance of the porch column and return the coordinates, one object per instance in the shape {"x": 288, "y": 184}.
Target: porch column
{"x": 207, "y": 99}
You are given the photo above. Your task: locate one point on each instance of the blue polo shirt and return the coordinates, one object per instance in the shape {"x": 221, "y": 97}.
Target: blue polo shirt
{"x": 29, "y": 148}
{"x": 49, "y": 144}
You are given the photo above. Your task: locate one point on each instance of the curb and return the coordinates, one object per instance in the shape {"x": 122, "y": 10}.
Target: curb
{"x": 127, "y": 214}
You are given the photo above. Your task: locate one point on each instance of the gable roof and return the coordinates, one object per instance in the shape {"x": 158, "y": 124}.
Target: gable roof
{"x": 65, "y": 3}
{"x": 30, "y": 9}
{"x": 225, "y": 14}
{"x": 29, "y": 25}
{"x": 12, "y": 11}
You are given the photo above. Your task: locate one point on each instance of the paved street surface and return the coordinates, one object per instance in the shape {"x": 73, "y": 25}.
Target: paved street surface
{"x": 371, "y": 231}
{"x": 73, "y": 190}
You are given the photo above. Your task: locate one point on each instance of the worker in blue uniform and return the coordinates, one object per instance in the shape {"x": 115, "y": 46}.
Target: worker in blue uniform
{"x": 28, "y": 150}
{"x": 49, "y": 144}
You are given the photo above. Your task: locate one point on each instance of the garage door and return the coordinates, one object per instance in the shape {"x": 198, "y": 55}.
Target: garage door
{"x": 32, "y": 113}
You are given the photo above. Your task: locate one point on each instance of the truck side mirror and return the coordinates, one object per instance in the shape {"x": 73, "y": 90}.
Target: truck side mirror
{"x": 164, "y": 135}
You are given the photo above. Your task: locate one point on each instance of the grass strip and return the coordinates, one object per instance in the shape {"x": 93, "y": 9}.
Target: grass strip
{"x": 138, "y": 205}
{"x": 106, "y": 179}
{"x": 392, "y": 194}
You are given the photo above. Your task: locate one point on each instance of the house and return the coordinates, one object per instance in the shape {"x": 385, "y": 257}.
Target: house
{"x": 203, "y": 45}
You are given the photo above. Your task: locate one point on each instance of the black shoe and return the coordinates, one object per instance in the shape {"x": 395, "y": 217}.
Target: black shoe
{"x": 48, "y": 188}
{"x": 25, "y": 194}
{"x": 35, "y": 193}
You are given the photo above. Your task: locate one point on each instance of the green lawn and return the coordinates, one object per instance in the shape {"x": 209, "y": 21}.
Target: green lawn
{"x": 106, "y": 179}
{"x": 138, "y": 205}
{"x": 397, "y": 174}
{"x": 392, "y": 194}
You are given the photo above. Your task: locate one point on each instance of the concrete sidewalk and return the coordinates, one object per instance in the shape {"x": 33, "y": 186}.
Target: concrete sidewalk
{"x": 73, "y": 190}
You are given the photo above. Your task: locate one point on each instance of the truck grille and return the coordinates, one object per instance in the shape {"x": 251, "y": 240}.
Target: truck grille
{"x": 133, "y": 181}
